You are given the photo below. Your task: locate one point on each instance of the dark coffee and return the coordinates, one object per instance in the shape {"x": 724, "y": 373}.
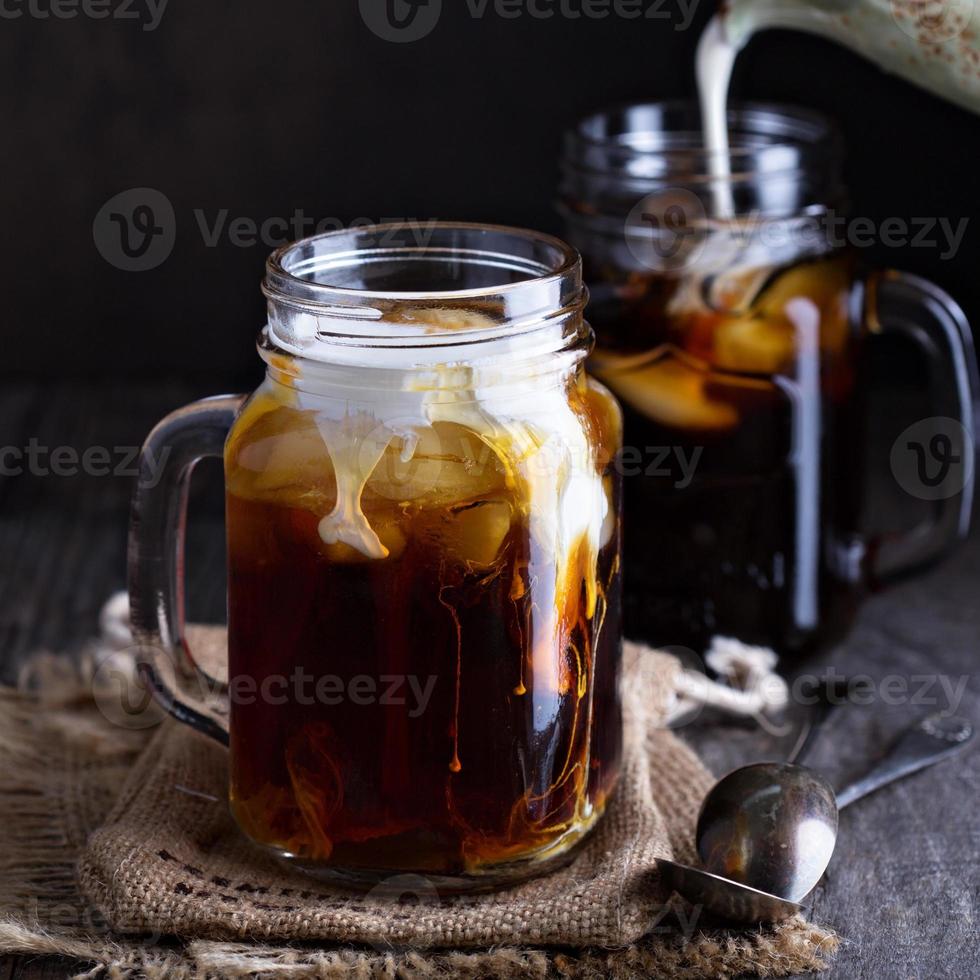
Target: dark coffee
{"x": 742, "y": 447}
{"x": 467, "y": 713}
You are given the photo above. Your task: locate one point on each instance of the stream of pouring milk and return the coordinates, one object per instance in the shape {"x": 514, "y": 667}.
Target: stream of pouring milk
{"x": 713, "y": 71}
{"x": 933, "y": 45}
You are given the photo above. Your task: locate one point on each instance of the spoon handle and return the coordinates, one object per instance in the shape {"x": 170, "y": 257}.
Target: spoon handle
{"x": 830, "y": 697}
{"x": 931, "y": 740}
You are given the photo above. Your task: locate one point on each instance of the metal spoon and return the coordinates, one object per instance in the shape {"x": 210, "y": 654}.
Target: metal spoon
{"x": 766, "y": 832}
{"x": 769, "y": 787}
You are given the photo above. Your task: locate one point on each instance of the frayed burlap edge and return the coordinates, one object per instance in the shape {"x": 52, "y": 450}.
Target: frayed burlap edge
{"x": 60, "y": 769}
{"x": 796, "y": 947}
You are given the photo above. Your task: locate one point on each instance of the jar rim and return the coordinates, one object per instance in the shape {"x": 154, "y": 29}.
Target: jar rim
{"x": 480, "y": 284}
{"x": 761, "y": 132}
{"x": 283, "y": 281}
{"x": 782, "y": 161}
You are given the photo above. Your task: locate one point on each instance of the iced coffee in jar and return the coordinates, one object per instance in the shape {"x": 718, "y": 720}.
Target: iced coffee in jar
{"x": 732, "y": 323}
{"x": 423, "y": 559}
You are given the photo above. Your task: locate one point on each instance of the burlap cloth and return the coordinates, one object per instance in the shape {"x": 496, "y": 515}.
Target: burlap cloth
{"x": 120, "y": 851}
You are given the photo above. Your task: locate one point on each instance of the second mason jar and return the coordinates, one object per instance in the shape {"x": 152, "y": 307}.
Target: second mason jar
{"x": 736, "y": 328}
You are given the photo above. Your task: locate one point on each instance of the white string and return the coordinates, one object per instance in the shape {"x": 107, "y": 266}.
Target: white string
{"x": 748, "y": 683}
{"x": 114, "y": 621}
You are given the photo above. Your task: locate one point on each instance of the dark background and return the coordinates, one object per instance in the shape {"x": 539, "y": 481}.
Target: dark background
{"x": 262, "y": 109}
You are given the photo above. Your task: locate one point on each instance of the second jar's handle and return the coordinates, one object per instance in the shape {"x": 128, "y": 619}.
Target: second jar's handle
{"x": 932, "y": 320}
{"x": 156, "y": 561}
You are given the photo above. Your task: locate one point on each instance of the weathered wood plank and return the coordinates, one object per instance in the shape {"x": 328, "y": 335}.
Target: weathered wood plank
{"x": 40, "y": 968}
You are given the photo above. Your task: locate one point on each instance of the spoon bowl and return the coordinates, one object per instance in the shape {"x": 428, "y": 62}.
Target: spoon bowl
{"x": 771, "y": 826}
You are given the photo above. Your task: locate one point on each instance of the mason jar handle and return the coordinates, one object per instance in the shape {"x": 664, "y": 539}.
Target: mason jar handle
{"x": 904, "y": 304}
{"x": 157, "y": 534}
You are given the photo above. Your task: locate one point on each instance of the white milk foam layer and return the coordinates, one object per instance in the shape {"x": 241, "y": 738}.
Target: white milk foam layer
{"x": 526, "y": 420}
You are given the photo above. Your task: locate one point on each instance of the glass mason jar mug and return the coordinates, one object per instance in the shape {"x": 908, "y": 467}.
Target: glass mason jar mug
{"x": 423, "y": 551}
{"x": 733, "y": 325}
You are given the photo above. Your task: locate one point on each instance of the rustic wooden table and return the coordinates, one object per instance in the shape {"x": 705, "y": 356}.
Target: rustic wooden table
{"x": 904, "y": 886}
